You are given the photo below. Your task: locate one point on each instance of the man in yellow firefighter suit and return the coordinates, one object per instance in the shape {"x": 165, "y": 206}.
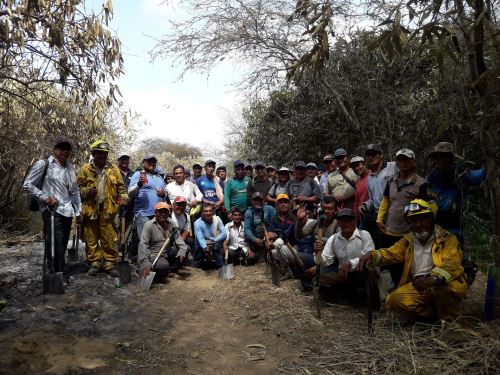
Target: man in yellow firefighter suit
{"x": 102, "y": 191}
{"x": 433, "y": 283}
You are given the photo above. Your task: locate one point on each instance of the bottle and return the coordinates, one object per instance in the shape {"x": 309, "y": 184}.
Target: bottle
{"x": 117, "y": 282}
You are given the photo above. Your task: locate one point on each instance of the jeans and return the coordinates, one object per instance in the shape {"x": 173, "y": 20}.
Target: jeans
{"x": 136, "y": 234}
{"x": 201, "y": 260}
{"x": 62, "y": 229}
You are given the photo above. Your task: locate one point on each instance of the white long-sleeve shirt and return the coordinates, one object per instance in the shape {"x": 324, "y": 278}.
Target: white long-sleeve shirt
{"x": 351, "y": 249}
{"x": 187, "y": 190}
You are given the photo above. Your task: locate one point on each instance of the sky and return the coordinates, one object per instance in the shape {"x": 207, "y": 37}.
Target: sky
{"x": 191, "y": 110}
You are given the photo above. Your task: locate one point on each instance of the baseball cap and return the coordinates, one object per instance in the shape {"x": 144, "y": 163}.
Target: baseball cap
{"x": 162, "y": 205}
{"x": 149, "y": 157}
{"x": 221, "y": 167}
{"x": 270, "y": 166}
{"x": 328, "y": 157}
{"x": 179, "y": 199}
{"x": 284, "y": 169}
{"x": 406, "y": 152}
{"x": 345, "y": 213}
{"x": 259, "y": 164}
{"x": 63, "y": 141}
{"x": 209, "y": 161}
{"x": 357, "y": 159}
{"x": 257, "y": 194}
{"x": 312, "y": 165}
{"x": 442, "y": 148}
{"x": 123, "y": 156}
{"x": 237, "y": 163}
{"x": 340, "y": 152}
{"x": 299, "y": 164}
{"x": 373, "y": 147}
{"x": 282, "y": 196}
{"x": 196, "y": 165}
{"x": 248, "y": 166}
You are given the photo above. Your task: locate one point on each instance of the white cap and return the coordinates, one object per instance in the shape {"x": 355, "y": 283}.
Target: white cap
{"x": 406, "y": 152}
{"x": 357, "y": 159}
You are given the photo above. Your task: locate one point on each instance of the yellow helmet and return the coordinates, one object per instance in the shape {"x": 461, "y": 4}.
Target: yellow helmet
{"x": 420, "y": 207}
{"x": 100, "y": 145}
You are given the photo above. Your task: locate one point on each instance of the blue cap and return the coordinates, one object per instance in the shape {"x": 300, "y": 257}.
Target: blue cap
{"x": 238, "y": 163}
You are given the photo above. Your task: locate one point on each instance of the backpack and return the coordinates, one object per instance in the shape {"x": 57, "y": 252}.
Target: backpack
{"x": 33, "y": 203}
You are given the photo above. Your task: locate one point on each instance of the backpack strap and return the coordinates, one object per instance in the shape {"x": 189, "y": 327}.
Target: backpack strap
{"x": 348, "y": 180}
{"x": 45, "y": 169}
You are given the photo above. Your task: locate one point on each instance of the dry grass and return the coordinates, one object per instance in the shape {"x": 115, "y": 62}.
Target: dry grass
{"x": 339, "y": 344}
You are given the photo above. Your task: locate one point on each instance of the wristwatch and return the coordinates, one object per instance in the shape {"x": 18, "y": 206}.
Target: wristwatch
{"x": 438, "y": 280}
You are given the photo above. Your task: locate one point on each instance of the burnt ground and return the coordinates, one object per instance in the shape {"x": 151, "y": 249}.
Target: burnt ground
{"x": 203, "y": 325}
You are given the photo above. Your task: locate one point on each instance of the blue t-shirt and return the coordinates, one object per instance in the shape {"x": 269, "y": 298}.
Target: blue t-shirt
{"x": 145, "y": 201}
{"x": 207, "y": 188}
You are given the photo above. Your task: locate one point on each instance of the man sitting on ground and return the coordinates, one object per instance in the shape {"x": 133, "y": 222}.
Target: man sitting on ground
{"x": 154, "y": 234}
{"x": 210, "y": 235}
{"x": 236, "y": 242}
{"x": 433, "y": 283}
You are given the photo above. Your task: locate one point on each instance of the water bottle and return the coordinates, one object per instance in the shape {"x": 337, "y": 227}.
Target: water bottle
{"x": 117, "y": 282}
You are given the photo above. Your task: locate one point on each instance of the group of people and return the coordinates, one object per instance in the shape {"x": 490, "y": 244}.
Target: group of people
{"x": 330, "y": 225}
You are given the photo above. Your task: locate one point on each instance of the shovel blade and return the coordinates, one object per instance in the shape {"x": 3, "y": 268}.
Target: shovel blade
{"x": 124, "y": 271}
{"x": 53, "y": 283}
{"x": 226, "y": 272}
{"x": 145, "y": 282}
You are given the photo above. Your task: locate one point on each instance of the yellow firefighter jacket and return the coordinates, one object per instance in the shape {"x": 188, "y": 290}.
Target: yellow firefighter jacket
{"x": 114, "y": 188}
{"x": 446, "y": 257}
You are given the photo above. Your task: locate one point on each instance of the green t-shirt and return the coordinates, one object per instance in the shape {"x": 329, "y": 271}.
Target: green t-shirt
{"x": 235, "y": 193}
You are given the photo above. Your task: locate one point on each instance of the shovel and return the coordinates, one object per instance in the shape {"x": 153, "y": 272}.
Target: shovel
{"x": 53, "y": 282}
{"x": 146, "y": 281}
{"x": 123, "y": 265}
{"x": 73, "y": 251}
{"x": 226, "y": 272}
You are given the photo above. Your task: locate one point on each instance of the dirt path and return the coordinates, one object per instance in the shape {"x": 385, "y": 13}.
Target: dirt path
{"x": 202, "y": 325}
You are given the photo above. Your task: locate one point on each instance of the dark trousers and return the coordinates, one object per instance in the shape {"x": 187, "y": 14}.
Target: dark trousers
{"x": 217, "y": 261}
{"x": 62, "y": 229}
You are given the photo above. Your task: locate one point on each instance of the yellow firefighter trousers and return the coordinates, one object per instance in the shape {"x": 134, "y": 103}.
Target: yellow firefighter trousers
{"x": 438, "y": 300}
{"x": 100, "y": 238}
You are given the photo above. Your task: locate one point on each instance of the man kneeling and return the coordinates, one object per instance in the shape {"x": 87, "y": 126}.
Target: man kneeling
{"x": 340, "y": 257}
{"x": 433, "y": 283}
{"x": 156, "y": 231}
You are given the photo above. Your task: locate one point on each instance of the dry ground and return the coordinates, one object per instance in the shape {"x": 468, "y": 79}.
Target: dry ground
{"x": 202, "y": 325}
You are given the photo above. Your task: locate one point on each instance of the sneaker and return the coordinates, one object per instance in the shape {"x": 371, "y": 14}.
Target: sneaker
{"x": 93, "y": 271}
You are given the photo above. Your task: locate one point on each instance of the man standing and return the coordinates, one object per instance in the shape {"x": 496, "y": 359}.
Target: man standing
{"x": 209, "y": 186}
{"x": 154, "y": 234}
{"x": 103, "y": 191}
{"x": 53, "y": 183}
{"x": 260, "y": 183}
{"x": 256, "y": 218}
{"x": 312, "y": 172}
{"x": 126, "y": 212}
{"x": 331, "y": 166}
{"x": 342, "y": 183}
{"x": 249, "y": 171}
{"x": 380, "y": 172}
{"x": 400, "y": 190}
{"x": 197, "y": 169}
{"x": 181, "y": 187}
{"x": 449, "y": 186}
{"x": 302, "y": 190}
{"x": 271, "y": 173}
{"x": 210, "y": 235}
{"x": 279, "y": 187}
{"x": 361, "y": 195}
{"x": 235, "y": 192}
{"x": 221, "y": 173}
{"x": 147, "y": 188}
{"x": 433, "y": 281}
